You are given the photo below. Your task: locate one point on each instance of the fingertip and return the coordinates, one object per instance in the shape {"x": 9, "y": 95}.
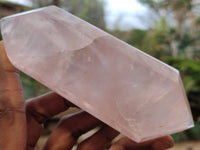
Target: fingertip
{"x": 5, "y": 63}
{"x": 163, "y": 143}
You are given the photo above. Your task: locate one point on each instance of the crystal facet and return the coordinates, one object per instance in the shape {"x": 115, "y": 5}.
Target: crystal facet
{"x": 127, "y": 89}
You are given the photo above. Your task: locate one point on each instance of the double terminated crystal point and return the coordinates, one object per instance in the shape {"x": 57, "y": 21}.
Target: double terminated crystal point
{"x": 134, "y": 93}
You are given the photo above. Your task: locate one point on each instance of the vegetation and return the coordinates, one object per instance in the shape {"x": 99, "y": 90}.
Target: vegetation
{"x": 174, "y": 39}
{"x": 89, "y": 10}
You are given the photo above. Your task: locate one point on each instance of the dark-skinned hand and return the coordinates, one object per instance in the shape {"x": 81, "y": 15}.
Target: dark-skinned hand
{"x": 21, "y": 123}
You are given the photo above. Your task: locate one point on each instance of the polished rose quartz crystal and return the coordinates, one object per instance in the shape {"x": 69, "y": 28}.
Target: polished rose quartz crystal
{"x": 127, "y": 89}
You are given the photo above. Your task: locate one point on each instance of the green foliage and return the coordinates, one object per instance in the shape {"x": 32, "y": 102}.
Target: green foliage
{"x": 166, "y": 4}
{"x": 185, "y": 41}
{"x": 190, "y": 72}
{"x": 175, "y": 41}
{"x": 91, "y": 11}
{"x": 31, "y": 87}
{"x": 155, "y": 42}
{"x": 198, "y": 20}
{"x": 137, "y": 38}
{"x": 158, "y": 42}
{"x": 151, "y": 3}
{"x": 191, "y": 134}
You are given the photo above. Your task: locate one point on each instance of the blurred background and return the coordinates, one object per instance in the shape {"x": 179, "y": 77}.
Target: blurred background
{"x": 168, "y": 30}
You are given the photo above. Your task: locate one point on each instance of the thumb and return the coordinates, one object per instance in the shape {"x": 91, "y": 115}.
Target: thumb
{"x": 12, "y": 111}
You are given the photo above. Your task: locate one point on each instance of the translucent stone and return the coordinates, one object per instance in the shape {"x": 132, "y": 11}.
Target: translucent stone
{"x": 127, "y": 89}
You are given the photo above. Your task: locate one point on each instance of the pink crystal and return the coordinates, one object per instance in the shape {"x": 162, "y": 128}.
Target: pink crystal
{"x": 129, "y": 90}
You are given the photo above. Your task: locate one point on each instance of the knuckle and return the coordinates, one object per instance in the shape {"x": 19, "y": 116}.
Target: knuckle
{"x": 7, "y": 109}
{"x": 3, "y": 110}
{"x": 30, "y": 111}
{"x": 69, "y": 128}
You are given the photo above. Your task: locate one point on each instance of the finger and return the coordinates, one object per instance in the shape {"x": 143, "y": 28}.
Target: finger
{"x": 69, "y": 129}
{"x": 100, "y": 140}
{"x": 163, "y": 143}
{"x": 157, "y": 144}
{"x": 12, "y": 111}
{"x": 38, "y": 110}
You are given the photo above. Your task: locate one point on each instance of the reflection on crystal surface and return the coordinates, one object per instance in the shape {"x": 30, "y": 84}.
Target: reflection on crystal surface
{"x": 134, "y": 93}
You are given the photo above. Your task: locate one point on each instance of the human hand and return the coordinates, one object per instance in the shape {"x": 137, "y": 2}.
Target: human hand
{"x": 21, "y": 124}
